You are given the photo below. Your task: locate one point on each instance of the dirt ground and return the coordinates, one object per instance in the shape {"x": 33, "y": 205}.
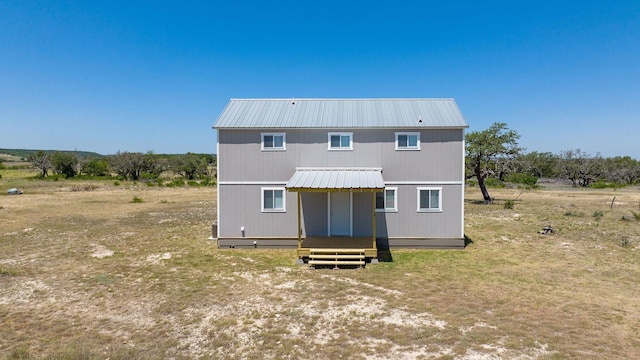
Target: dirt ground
{"x": 86, "y": 272}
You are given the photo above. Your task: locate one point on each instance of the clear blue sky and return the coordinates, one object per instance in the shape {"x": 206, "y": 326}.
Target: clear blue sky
{"x": 154, "y": 75}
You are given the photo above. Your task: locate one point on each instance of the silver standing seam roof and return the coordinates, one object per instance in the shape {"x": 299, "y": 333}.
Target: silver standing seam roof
{"x": 323, "y": 179}
{"x": 340, "y": 113}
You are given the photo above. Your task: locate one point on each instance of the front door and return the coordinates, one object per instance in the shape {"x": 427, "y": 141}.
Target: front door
{"x": 339, "y": 214}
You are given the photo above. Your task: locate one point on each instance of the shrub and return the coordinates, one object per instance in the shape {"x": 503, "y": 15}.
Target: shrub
{"x": 149, "y": 176}
{"x": 635, "y": 215}
{"x": 192, "y": 183}
{"x": 55, "y": 177}
{"x": 208, "y": 182}
{"x": 597, "y": 215}
{"x": 136, "y": 200}
{"x": 7, "y": 271}
{"x": 493, "y": 182}
{"x": 175, "y": 183}
{"x": 116, "y": 183}
{"x": 89, "y": 187}
{"x": 605, "y": 184}
{"x": 95, "y": 167}
{"x": 520, "y": 178}
{"x": 508, "y": 204}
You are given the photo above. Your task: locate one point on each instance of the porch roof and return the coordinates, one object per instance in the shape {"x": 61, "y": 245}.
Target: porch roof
{"x": 336, "y": 179}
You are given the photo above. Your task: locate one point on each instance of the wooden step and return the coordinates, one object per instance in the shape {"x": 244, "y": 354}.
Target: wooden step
{"x": 336, "y": 262}
{"x": 338, "y": 251}
{"x": 337, "y": 256}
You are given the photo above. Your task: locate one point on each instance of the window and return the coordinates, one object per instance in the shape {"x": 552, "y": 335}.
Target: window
{"x": 273, "y": 141}
{"x": 407, "y": 141}
{"x": 340, "y": 141}
{"x": 273, "y": 199}
{"x": 386, "y": 200}
{"x": 429, "y": 199}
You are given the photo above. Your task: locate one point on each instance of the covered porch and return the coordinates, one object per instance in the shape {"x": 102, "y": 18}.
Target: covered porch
{"x": 340, "y": 214}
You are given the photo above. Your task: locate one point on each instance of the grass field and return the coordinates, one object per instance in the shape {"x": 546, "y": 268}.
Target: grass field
{"x": 88, "y": 272}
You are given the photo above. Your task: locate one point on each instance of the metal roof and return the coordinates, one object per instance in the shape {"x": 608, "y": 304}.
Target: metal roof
{"x": 340, "y": 113}
{"x": 322, "y": 179}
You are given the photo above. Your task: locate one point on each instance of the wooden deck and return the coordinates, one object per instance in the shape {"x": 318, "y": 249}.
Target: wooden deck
{"x": 338, "y": 242}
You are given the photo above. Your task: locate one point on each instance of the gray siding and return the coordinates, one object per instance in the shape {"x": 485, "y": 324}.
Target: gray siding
{"x": 240, "y": 206}
{"x": 438, "y": 160}
{"x": 407, "y": 222}
{"x": 315, "y": 212}
{"x": 244, "y": 169}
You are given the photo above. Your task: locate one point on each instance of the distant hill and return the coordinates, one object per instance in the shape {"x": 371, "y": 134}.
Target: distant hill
{"x": 15, "y": 155}
{"x": 19, "y": 155}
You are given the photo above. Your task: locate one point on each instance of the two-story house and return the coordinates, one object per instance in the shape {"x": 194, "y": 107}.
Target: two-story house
{"x": 338, "y": 171}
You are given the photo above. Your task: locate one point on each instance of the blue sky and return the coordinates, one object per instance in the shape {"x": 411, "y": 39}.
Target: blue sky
{"x": 145, "y": 76}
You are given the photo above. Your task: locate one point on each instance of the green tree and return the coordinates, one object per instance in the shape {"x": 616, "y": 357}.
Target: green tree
{"x": 153, "y": 165}
{"x": 133, "y": 165}
{"x": 191, "y": 166}
{"x": 95, "y": 167}
{"x": 41, "y": 161}
{"x": 65, "y": 163}
{"x": 540, "y": 165}
{"x": 487, "y": 148}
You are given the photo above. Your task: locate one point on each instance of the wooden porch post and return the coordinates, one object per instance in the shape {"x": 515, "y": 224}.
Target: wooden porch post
{"x": 299, "y": 223}
{"x": 373, "y": 217}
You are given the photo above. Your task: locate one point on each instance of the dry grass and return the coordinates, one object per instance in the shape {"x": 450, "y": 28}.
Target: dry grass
{"x": 90, "y": 274}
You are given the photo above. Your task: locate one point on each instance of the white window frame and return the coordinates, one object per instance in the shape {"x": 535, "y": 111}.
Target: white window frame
{"x": 284, "y": 199}
{"x": 341, "y": 134}
{"x": 284, "y": 142}
{"x": 430, "y": 209}
{"x": 405, "y": 148}
{"x": 395, "y": 200}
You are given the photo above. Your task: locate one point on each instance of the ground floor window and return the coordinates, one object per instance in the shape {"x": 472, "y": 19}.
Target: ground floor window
{"x": 386, "y": 200}
{"x": 429, "y": 199}
{"x": 273, "y": 199}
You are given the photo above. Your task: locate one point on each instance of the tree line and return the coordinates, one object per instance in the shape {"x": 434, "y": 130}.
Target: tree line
{"x": 493, "y": 155}
{"x": 126, "y": 165}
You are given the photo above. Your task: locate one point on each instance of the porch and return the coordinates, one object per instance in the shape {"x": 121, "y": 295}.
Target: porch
{"x": 339, "y": 185}
{"x": 337, "y": 242}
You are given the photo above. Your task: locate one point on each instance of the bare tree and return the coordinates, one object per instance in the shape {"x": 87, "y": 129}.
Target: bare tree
{"x": 127, "y": 164}
{"x": 579, "y": 167}
{"x": 41, "y": 161}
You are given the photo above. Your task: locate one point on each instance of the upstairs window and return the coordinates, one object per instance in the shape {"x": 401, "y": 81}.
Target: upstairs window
{"x": 340, "y": 141}
{"x": 429, "y": 199}
{"x": 407, "y": 141}
{"x": 273, "y": 199}
{"x": 386, "y": 200}
{"x": 273, "y": 141}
